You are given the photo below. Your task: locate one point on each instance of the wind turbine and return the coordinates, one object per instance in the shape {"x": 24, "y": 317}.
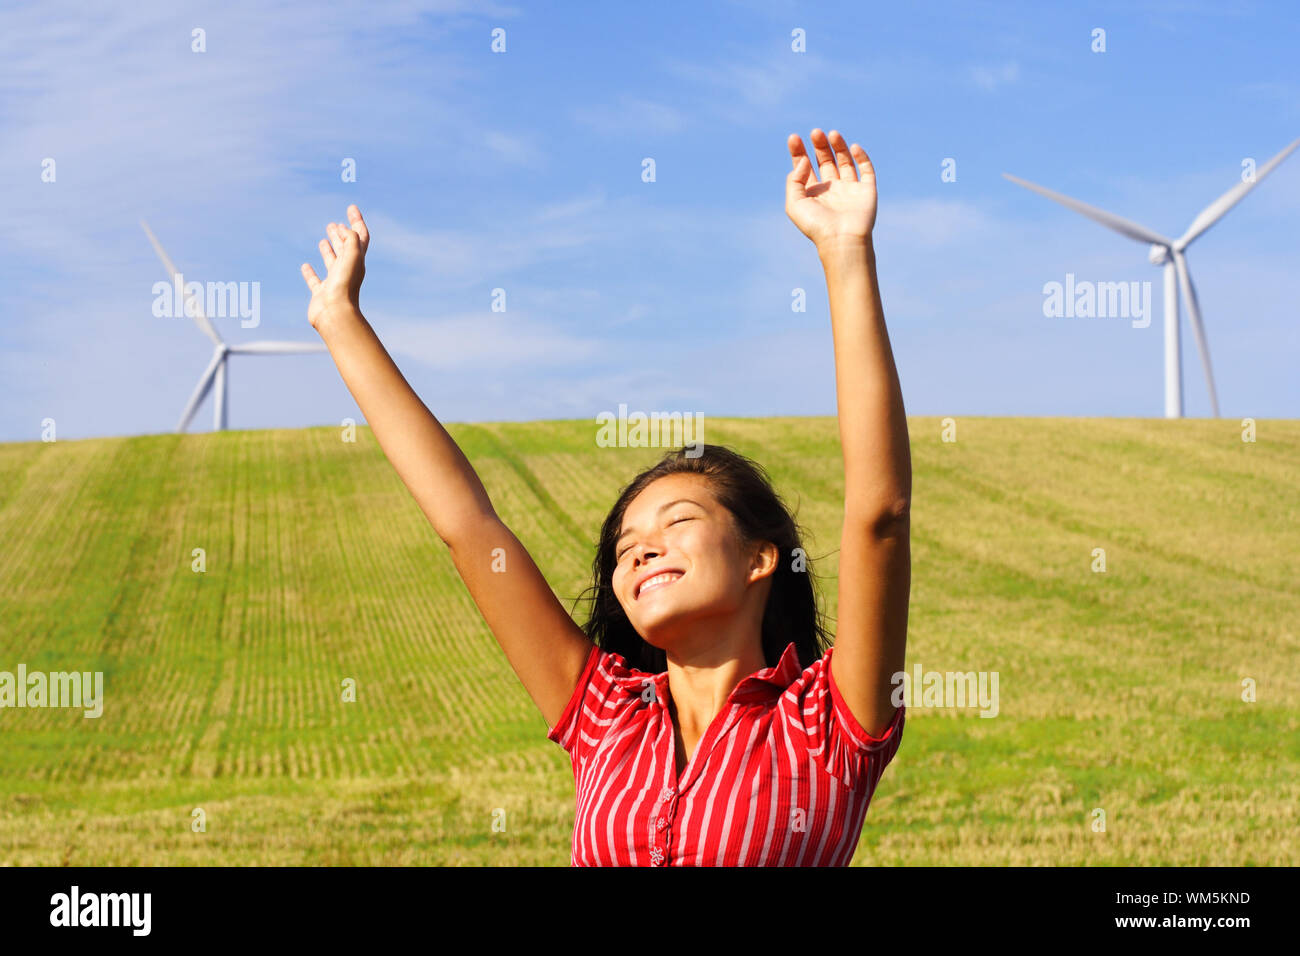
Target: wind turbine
{"x": 1169, "y": 253}
{"x": 216, "y": 370}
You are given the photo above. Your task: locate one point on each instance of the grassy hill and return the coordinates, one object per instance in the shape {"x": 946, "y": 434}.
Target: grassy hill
{"x": 1118, "y": 690}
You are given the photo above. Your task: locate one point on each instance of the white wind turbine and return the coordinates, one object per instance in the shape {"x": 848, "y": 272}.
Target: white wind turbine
{"x": 1169, "y": 253}
{"x": 216, "y": 370}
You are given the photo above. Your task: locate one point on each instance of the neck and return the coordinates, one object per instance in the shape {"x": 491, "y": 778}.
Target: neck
{"x": 701, "y": 678}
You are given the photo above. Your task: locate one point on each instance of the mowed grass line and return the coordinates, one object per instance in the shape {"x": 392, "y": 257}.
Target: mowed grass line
{"x": 1119, "y": 691}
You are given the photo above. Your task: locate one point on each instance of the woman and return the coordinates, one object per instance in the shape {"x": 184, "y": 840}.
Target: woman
{"x": 706, "y": 720}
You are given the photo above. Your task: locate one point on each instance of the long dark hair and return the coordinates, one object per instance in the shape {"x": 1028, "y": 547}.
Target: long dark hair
{"x": 743, "y": 488}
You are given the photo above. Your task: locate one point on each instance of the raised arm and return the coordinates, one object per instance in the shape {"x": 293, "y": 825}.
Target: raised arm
{"x": 542, "y": 642}
{"x": 838, "y": 214}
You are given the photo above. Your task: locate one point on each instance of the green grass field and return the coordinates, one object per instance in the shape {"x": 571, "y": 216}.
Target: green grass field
{"x": 1119, "y": 690}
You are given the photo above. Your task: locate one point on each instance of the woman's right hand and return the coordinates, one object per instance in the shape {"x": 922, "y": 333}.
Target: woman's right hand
{"x": 840, "y": 208}
{"x": 344, "y": 255}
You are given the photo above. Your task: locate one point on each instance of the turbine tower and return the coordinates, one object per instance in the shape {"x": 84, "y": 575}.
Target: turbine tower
{"x": 1169, "y": 253}
{"x": 215, "y": 373}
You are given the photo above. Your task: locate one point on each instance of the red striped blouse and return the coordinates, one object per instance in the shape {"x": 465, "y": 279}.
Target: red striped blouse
{"x": 782, "y": 777}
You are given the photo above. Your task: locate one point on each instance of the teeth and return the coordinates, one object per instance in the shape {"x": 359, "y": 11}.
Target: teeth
{"x": 659, "y": 579}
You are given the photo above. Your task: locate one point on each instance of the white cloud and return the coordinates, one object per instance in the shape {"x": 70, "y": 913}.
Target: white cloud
{"x": 463, "y": 258}
{"x": 631, "y": 114}
{"x": 571, "y": 208}
{"x": 932, "y": 222}
{"x": 490, "y": 340}
{"x": 992, "y": 77}
{"x": 513, "y": 149}
{"x": 758, "y": 84}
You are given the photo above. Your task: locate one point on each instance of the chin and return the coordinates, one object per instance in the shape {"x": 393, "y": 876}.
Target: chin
{"x": 659, "y": 630}
{"x": 661, "y": 627}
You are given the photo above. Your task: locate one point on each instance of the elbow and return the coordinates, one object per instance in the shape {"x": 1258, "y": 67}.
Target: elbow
{"x": 884, "y": 521}
{"x": 461, "y": 531}
{"x": 895, "y": 517}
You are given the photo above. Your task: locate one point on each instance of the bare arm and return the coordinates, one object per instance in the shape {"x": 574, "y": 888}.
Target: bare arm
{"x": 543, "y": 644}
{"x": 838, "y": 214}
{"x": 875, "y": 548}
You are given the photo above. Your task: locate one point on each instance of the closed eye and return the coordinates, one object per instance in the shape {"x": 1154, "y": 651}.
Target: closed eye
{"x": 619, "y": 557}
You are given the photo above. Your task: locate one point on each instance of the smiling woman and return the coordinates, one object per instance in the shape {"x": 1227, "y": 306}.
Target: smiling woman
{"x": 706, "y": 717}
{"x": 715, "y": 521}
{"x": 706, "y": 727}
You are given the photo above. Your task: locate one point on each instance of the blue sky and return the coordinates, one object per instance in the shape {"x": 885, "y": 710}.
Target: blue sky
{"x": 522, "y": 171}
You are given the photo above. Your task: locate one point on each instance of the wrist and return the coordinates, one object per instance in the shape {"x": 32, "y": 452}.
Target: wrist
{"x": 344, "y": 314}
{"x": 846, "y": 250}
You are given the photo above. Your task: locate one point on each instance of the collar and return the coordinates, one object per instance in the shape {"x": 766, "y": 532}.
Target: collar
{"x": 766, "y": 684}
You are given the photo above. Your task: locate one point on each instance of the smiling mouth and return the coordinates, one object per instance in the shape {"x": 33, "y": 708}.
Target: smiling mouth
{"x": 659, "y": 581}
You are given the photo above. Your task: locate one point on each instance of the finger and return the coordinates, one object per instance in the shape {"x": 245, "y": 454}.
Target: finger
{"x": 864, "y": 161}
{"x": 359, "y": 225}
{"x": 343, "y": 235}
{"x": 327, "y": 255}
{"x": 796, "y": 182}
{"x": 842, "y": 157}
{"x": 797, "y": 152}
{"x": 794, "y": 143}
{"x": 338, "y": 234}
{"x": 825, "y": 158}
{"x": 309, "y": 276}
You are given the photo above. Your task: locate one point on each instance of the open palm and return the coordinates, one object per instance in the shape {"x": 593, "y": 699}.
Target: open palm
{"x": 843, "y": 204}
{"x": 344, "y": 255}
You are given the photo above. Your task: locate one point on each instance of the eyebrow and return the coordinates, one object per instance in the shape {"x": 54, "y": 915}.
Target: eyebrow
{"x": 661, "y": 510}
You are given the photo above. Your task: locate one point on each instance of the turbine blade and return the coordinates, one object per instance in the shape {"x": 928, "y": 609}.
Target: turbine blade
{"x": 1118, "y": 223}
{"x": 200, "y": 319}
{"x": 200, "y": 391}
{"x": 279, "y": 347}
{"x": 1194, "y": 310}
{"x": 1215, "y": 210}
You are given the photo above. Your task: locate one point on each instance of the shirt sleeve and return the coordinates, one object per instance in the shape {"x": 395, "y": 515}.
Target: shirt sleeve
{"x": 597, "y": 700}
{"x": 846, "y": 749}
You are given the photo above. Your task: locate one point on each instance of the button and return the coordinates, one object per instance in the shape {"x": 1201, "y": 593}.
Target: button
{"x": 666, "y": 794}
{"x": 661, "y": 824}
{"x": 656, "y": 856}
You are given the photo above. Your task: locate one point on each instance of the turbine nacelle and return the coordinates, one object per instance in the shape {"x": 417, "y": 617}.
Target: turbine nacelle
{"x": 1158, "y": 255}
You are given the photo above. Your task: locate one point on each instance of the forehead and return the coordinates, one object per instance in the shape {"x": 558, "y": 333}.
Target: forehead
{"x": 666, "y": 489}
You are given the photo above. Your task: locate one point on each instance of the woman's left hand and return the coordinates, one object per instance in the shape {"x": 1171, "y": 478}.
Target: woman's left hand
{"x": 840, "y": 207}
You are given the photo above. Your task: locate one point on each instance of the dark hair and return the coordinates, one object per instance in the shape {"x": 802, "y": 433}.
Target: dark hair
{"x": 743, "y": 488}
